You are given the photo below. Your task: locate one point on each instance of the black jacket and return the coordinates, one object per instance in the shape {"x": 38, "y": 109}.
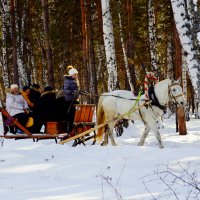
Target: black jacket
{"x": 48, "y": 106}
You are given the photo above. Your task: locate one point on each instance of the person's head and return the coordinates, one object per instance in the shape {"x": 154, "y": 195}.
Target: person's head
{"x": 48, "y": 88}
{"x": 73, "y": 72}
{"x": 67, "y": 68}
{"x": 36, "y": 87}
{"x": 26, "y": 89}
{"x": 14, "y": 89}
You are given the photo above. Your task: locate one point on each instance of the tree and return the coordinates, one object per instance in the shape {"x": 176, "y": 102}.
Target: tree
{"x": 14, "y": 41}
{"x": 109, "y": 45}
{"x": 180, "y": 112}
{"x": 183, "y": 26}
{"x": 152, "y": 35}
{"x": 124, "y": 50}
{"x": 48, "y": 43}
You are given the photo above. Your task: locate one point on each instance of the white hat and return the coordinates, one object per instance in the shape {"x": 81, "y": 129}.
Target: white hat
{"x": 72, "y": 71}
{"x": 13, "y": 86}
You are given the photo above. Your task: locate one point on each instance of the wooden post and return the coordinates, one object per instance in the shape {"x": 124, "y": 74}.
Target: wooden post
{"x": 181, "y": 121}
{"x": 178, "y": 73}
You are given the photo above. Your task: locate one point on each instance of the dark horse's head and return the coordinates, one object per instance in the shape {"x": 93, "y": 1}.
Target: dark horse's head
{"x": 120, "y": 125}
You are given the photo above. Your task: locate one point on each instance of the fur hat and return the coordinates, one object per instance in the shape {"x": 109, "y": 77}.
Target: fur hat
{"x": 69, "y": 67}
{"x": 72, "y": 71}
{"x": 48, "y": 88}
{"x": 36, "y": 86}
{"x": 13, "y": 86}
{"x": 25, "y": 88}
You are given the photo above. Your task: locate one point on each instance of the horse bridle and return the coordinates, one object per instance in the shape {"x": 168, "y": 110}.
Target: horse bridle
{"x": 171, "y": 96}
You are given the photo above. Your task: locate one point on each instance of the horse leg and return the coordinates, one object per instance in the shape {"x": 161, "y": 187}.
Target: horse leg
{"x": 105, "y": 141}
{"x": 110, "y": 133}
{"x": 157, "y": 134}
{"x": 144, "y": 135}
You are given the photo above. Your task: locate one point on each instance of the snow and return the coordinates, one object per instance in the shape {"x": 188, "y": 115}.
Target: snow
{"x": 45, "y": 170}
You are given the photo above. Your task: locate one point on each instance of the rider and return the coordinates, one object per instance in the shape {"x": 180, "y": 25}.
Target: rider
{"x": 150, "y": 81}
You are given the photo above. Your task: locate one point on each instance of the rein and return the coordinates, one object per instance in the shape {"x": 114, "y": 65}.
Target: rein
{"x": 95, "y": 95}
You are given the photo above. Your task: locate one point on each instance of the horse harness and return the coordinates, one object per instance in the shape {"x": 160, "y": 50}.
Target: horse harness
{"x": 155, "y": 102}
{"x": 171, "y": 96}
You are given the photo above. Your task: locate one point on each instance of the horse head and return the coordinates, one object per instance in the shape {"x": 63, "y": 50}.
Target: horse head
{"x": 176, "y": 93}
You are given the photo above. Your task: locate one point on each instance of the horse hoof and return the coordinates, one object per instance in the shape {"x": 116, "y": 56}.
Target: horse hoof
{"x": 140, "y": 144}
{"x": 162, "y": 147}
{"x": 103, "y": 144}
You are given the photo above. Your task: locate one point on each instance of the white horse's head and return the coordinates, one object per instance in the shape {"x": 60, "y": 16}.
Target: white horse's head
{"x": 176, "y": 93}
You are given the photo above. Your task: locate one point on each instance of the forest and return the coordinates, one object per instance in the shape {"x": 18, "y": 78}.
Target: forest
{"x": 112, "y": 43}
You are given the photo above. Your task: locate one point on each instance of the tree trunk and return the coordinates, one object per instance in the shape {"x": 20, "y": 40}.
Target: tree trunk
{"x": 93, "y": 78}
{"x": 2, "y": 88}
{"x": 14, "y": 41}
{"x": 183, "y": 27}
{"x": 152, "y": 35}
{"x": 5, "y": 59}
{"x": 124, "y": 50}
{"x": 109, "y": 45}
{"x": 48, "y": 44}
{"x": 178, "y": 73}
{"x": 130, "y": 43}
{"x": 181, "y": 121}
{"x": 84, "y": 44}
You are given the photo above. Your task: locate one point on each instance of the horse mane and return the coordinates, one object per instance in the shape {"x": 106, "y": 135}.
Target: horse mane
{"x": 162, "y": 86}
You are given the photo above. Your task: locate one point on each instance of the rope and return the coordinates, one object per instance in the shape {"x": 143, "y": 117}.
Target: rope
{"x": 137, "y": 100}
{"x": 89, "y": 94}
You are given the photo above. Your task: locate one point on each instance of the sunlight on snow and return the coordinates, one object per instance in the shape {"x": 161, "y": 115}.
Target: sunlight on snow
{"x": 28, "y": 168}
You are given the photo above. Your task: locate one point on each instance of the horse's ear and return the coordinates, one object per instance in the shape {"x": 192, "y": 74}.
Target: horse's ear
{"x": 179, "y": 80}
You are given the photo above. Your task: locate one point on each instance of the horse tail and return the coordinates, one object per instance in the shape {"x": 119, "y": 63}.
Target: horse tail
{"x": 100, "y": 119}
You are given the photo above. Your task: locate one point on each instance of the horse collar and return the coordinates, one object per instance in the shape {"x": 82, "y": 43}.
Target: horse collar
{"x": 154, "y": 99}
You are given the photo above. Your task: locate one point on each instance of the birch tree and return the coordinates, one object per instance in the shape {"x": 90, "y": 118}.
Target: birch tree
{"x": 14, "y": 41}
{"x": 109, "y": 45}
{"x": 152, "y": 35}
{"x": 20, "y": 26}
{"x": 4, "y": 51}
{"x": 183, "y": 26}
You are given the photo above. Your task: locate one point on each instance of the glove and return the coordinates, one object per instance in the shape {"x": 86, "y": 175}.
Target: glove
{"x": 75, "y": 92}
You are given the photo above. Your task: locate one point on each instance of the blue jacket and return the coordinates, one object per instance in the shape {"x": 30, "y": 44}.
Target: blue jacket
{"x": 71, "y": 88}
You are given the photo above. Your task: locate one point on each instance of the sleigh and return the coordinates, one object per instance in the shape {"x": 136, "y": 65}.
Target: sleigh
{"x": 83, "y": 120}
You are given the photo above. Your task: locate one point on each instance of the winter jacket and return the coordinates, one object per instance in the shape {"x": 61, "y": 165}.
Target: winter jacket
{"x": 49, "y": 106}
{"x": 35, "y": 98}
{"x": 61, "y": 108}
{"x": 71, "y": 88}
{"x": 15, "y": 104}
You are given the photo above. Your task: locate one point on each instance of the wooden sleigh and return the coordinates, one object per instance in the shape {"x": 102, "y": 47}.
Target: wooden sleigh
{"x": 54, "y": 130}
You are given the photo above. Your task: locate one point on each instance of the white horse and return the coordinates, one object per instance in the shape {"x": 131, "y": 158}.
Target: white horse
{"x": 114, "y": 104}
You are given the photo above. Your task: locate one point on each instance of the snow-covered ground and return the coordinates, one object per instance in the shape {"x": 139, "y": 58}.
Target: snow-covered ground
{"x": 45, "y": 170}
